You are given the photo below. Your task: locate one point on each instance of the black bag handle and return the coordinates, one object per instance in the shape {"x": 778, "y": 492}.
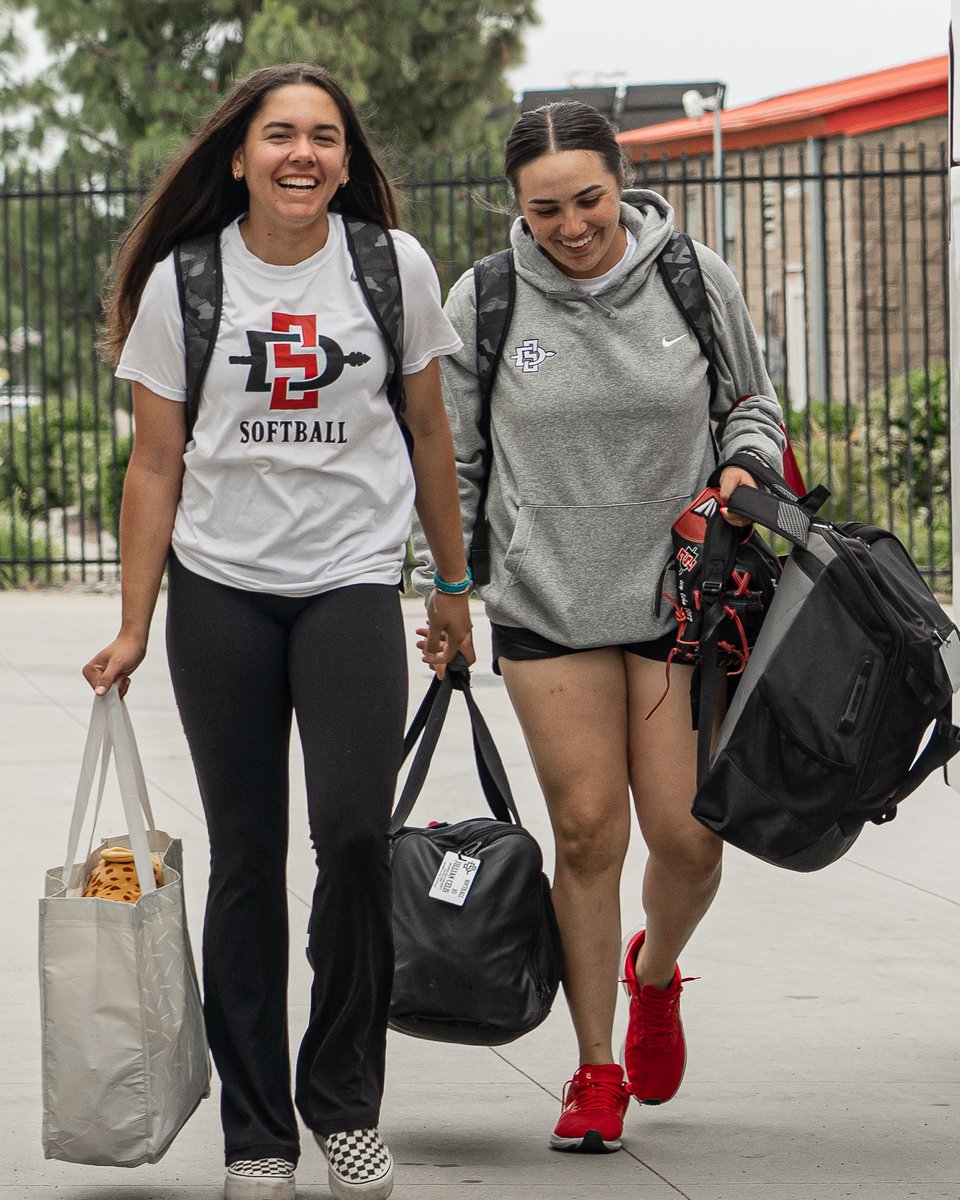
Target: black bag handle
{"x": 428, "y": 721}
{"x": 811, "y": 502}
{"x": 785, "y": 517}
{"x": 778, "y": 508}
{"x": 759, "y": 469}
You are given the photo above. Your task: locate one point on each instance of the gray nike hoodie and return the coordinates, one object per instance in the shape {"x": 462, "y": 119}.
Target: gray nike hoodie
{"x": 600, "y": 434}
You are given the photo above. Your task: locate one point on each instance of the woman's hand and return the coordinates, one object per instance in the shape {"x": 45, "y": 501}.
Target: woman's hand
{"x": 115, "y": 664}
{"x": 730, "y": 479}
{"x": 447, "y": 631}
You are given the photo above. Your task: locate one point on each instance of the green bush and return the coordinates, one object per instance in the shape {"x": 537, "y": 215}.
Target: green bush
{"x": 64, "y": 456}
{"x": 21, "y": 541}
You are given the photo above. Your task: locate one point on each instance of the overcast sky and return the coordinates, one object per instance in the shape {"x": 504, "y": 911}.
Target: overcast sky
{"x": 758, "y": 48}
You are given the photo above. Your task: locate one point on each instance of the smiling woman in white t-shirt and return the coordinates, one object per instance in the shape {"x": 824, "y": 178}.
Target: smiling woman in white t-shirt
{"x": 282, "y": 514}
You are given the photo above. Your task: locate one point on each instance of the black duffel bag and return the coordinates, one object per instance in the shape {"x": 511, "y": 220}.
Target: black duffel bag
{"x": 853, "y": 664}
{"x": 478, "y": 957}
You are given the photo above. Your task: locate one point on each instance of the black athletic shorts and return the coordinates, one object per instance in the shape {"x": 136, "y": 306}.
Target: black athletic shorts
{"x": 522, "y": 645}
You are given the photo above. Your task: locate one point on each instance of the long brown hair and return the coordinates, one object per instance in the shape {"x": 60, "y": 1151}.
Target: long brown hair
{"x": 197, "y": 193}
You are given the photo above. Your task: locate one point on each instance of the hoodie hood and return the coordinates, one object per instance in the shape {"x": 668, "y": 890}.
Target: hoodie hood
{"x": 648, "y": 217}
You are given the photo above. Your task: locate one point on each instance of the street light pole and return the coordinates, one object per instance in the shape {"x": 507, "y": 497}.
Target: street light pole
{"x": 721, "y": 203}
{"x": 696, "y": 106}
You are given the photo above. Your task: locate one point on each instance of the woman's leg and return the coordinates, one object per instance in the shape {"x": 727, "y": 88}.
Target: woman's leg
{"x": 349, "y": 681}
{"x": 683, "y": 867}
{"x": 573, "y": 712}
{"x": 228, "y": 662}
{"x": 680, "y": 879}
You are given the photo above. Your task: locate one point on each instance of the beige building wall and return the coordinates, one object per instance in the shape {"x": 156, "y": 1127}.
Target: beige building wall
{"x": 878, "y": 267}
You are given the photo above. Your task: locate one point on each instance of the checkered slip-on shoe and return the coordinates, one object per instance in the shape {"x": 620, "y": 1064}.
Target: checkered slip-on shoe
{"x": 260, "y": 1179}
{"x": 360, "y": 1165}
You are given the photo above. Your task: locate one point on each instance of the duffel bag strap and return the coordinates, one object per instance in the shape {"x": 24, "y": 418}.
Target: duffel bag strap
{"x": 777, "y": 507}
{"x": 760, "y": 470}
{"x": 772, "y": 512}
{"x": 429, "y": 720}
{"x": 942, "y": 745}
{"x": 772, "y": 481}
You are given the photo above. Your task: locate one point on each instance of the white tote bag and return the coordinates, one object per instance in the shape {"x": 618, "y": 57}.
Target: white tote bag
{"x": 124, "y": 1052}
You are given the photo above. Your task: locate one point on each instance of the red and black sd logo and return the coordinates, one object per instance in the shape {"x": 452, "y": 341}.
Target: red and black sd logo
{"x": 292, "y": 361}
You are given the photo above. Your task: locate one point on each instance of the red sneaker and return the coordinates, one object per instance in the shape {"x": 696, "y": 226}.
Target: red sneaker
{"x": 654, "y": 1052}
{"x": 594, "y": 1101}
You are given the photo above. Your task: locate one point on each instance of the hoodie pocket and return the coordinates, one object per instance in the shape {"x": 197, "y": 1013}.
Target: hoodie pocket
{"x": 587, "y": 575}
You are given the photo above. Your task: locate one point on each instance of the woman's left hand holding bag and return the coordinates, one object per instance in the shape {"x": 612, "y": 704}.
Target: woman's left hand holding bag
{"x": 730, "y": 479}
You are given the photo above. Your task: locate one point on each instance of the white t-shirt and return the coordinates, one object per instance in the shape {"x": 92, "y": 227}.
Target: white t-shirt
{"x": 297, "y": 479}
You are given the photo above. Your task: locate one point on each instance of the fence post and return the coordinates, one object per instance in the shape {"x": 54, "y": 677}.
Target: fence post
{"x": 816, "y": 240}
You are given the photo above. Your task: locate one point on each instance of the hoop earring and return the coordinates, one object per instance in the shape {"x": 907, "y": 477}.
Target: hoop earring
{"x": 237, "y": 174}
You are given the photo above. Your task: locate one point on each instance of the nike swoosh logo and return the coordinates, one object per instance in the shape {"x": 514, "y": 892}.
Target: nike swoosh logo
{"x": 673, "y": 341}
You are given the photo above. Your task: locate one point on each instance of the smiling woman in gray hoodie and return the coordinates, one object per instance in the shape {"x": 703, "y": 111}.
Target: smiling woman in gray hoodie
{"x": 600, "y": 435}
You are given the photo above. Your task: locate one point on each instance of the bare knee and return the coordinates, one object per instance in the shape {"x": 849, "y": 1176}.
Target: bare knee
{"x": 688, "y": 851}
{"x": 590, "y": 847}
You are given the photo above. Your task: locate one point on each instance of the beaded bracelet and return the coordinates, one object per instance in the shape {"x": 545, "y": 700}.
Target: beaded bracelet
{"x": 453, "y": 589}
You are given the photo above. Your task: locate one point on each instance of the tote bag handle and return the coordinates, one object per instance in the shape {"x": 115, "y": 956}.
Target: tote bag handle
{"x": 111, "y": 730}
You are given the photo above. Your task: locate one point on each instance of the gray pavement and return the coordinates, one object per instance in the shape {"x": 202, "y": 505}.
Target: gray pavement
{"x": 822, "y": 1032}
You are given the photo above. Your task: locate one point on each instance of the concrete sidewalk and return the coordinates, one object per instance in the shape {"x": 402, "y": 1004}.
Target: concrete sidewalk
{"x": 822, "y": 1032}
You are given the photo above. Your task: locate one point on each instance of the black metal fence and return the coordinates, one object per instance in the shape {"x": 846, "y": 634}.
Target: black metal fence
{"x": 840, "y": 250}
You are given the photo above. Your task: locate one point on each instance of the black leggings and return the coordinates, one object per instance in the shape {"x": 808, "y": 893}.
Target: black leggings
{"x": 242, "y": 663}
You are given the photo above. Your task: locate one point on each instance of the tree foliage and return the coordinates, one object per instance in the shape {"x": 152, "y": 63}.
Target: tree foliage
{"x": 427, "y": 74}
{"x": 128, "y": 81}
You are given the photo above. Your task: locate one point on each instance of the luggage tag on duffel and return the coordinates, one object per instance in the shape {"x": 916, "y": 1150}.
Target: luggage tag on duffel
{"x": 455, "y": 878}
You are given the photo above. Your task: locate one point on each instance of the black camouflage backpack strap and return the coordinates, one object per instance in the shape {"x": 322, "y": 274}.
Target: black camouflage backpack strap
{"x": 200, "y": 288}
{"x": 495, "y": 284}
{"x": 378, "y": 273}
{"x": 495, "y": 281}
{"x": 683, "y": 277}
